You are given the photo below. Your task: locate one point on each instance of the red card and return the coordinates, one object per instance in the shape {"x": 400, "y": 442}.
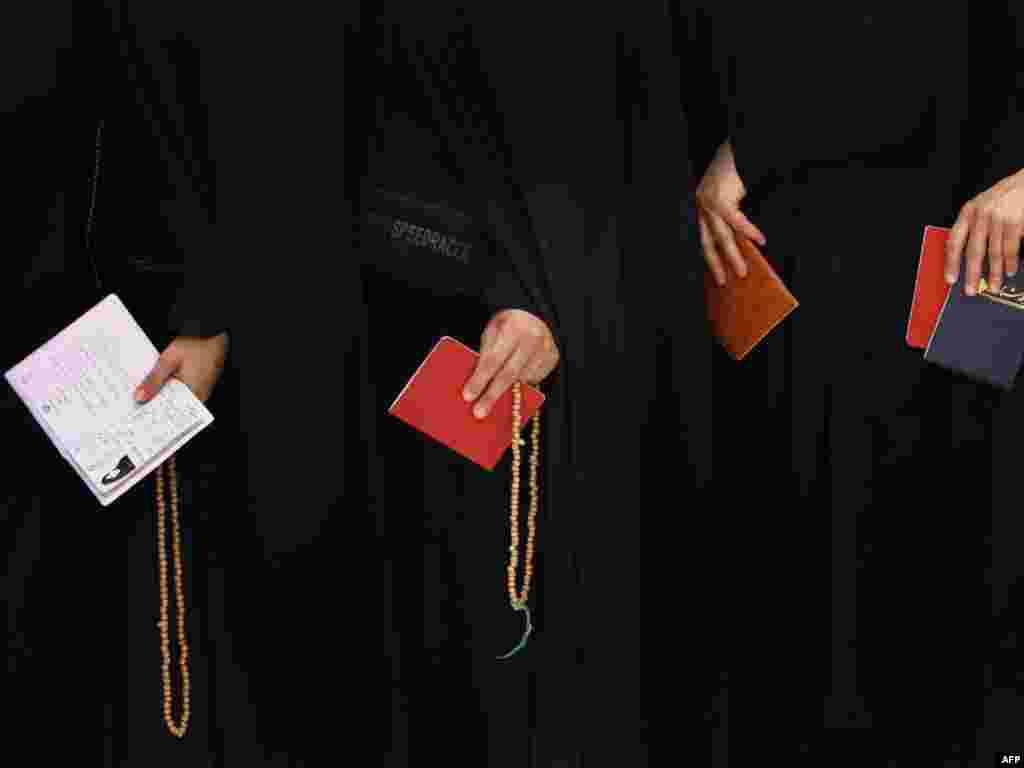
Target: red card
{"x": 432, "y": 403}
{"x": 930, "y": 290}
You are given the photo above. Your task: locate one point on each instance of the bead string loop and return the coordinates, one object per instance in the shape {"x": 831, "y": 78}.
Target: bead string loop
{"x": 176, "y": 729}
{"x": 519, "y": 600}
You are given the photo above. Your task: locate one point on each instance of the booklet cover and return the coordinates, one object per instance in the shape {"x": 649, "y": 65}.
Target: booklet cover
{"x": 982, "y": 336}
{"x": 745, "y": 310}
{"x": 432, "y": 403}
{"x": 80, "y": 388}
{"x": 930, "y": 287}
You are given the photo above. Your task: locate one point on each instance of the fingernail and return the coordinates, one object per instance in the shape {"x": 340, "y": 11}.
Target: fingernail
{"x": 140, "y": 395}
{"x": 467, "y": 396}
{"x": 950, "y": 278}
{"x": 479, "y": 412}
{"x": 969, "y": 290}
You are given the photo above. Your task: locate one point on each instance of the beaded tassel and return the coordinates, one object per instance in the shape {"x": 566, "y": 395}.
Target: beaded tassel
{"x": 165, "y": 642}
{"x": 518, "y": 600}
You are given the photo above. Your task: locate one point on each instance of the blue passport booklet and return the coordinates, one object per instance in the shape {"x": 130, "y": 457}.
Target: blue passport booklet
{"x": 982, "y": 336}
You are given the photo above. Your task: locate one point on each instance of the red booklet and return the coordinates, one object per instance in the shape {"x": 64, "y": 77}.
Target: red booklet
{"x": 432, "y": 403}
{"x": 930, "y": 289}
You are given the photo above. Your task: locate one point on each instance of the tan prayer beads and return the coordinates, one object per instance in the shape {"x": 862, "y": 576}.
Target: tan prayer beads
{"x": 518, "y": 600}
{"x": 165, "y": 643}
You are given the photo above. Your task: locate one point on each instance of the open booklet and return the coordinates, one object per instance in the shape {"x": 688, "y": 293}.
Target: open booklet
{"x": 80, "y": 387}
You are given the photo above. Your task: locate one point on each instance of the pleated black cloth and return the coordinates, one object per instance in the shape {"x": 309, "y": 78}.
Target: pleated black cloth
{"x": 577, "y": 147}
{"x": 859, "y": 478}
{"x": 44, "y": 285}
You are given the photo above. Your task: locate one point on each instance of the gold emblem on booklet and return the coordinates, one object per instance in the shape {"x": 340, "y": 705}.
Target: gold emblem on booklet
{"x": 1010, "y": 294}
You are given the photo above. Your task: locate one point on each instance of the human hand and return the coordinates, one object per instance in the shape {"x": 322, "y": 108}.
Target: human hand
{"x": 515, "y": 346}
{"x": 195, "y": 361}
{"x": 991, "y": 224}
{"x": 718, "y": 208}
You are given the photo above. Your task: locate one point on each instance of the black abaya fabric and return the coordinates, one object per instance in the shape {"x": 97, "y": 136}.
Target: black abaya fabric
{"x": 580, "y": 155}
{"x": 857, "y": 598}
{"x": 135, "y": 78}
{"x": 575, "y": 164}
{"x": 42, "y": 288}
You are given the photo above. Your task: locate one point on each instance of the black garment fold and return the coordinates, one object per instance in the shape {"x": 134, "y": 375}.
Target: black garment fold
{"x": 849, "y": 542}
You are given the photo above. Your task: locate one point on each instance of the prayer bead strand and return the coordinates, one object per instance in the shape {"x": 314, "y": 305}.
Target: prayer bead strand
{"x": 175, "y": 729}
{"x": 517, "y": 599}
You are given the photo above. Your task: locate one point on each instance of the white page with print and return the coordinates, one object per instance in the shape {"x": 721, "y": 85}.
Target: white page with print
{"x": 80, "y": 387}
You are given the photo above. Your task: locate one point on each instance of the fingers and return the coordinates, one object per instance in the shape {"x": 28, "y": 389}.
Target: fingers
{"x": 711, "y": 256}
{"x": 957, "y": 240}
{"x": 1012, "y": 235}
{"x": 515, "y": 346}
{"x": 738, "y": 220}
{"x": 535, "y": 371}
{"x": 166, "y": 366}
{"x": 996, "y": 256}
{"x": 725, "y": 241}
{"x": 495, "y": 350}
{"x": 975, "y": 253}
{"x": 541, "y": 364}
{"x": 509, "y": 374}
{"x": 992, "y": 225}
{"x": 718, "y": 197}
{"x": 488, "y": 336}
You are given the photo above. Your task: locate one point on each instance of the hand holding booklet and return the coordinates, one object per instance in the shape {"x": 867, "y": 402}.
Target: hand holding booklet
{"x": 80, "y": 387}
{"x": 979, "y": 336}
{"x": 432, "y": 403}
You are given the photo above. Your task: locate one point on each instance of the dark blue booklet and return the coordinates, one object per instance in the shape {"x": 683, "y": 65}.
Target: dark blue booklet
{"x": 982, "y": 336}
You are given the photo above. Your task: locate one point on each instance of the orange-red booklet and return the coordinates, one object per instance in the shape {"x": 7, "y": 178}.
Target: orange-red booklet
{"x": 930, "y": 288}
{"x": 432, "y": 403}
{"x": 745, "y": 310}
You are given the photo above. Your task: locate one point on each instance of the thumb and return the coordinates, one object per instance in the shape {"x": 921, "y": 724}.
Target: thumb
{"x": 166, "y": 366}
